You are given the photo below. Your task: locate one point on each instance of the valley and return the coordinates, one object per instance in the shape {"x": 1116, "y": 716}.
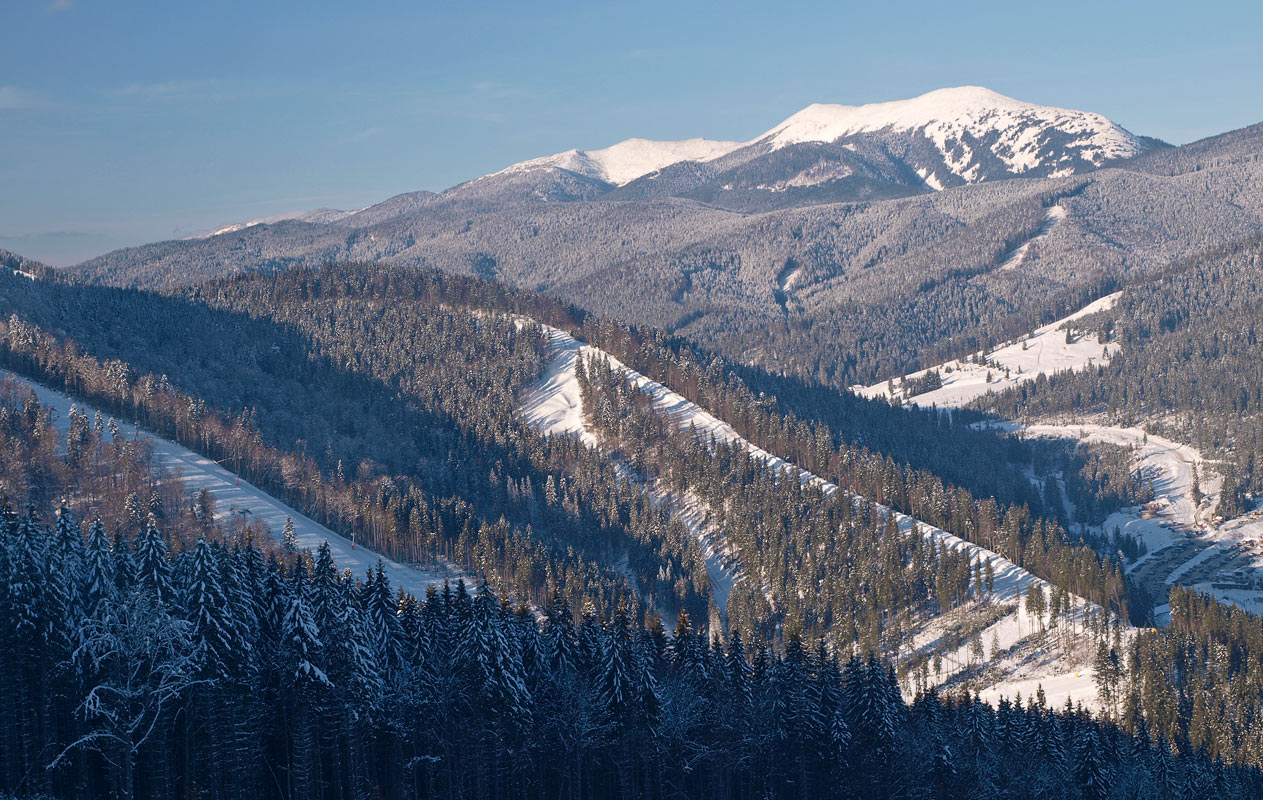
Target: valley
{"x": 895, "y": 449}
{"x": 1186, "y": 542}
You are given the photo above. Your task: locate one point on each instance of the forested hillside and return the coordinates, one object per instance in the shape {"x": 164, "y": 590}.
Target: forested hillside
{"x": 427, "y": 458}
{"x": 174, "y": 658}
{"x": 1189, "y": 365}
{"x": 380, "y": 401}
{"x": 833, "y": 292}
{"x": 441, "y": 470}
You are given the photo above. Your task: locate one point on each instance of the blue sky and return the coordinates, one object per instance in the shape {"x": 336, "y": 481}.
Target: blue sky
{"x": 126, "y": 122}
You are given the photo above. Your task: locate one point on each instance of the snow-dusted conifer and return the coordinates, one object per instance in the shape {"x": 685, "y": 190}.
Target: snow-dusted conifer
{"x": 153, "y": 570}
{"x": 300, "y": 639}
{"x": 99, "y": 566}
{"x": 289, "y": 537}
{"x": 208, "y": 610}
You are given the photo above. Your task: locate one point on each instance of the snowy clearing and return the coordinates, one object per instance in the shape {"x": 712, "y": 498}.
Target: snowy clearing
{"x": 1185, "y": 545}
{"x": 236, "y": 496}
{"x": 1051, "y": 218}
{"x": 1044, "y": 352}
{"x": 553, "y": 405}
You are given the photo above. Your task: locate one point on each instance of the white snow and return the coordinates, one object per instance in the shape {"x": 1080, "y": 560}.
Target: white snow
{"x": 1077, "y": 686}
{"x": 1170, "y": 463}
{"x": 788, "y": 282}
{"x": 320, "y": 216}
{"x": 1043, "y": 353}
{"x": 931, "y": 180}
{"x": 720, "y": 564}
{"x": 1170, "y": 467}
{"x": 628, "y": 160}
{"x": 1055, "y": 214}
{"x": 946, "y": 116}
{"x": 237, "y": 496}
{"x": 553, "y": 404}
{"x": 1247, "y": 599}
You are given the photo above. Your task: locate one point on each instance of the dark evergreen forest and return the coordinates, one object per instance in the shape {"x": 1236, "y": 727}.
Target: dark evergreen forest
{"x": 171, "y": 657}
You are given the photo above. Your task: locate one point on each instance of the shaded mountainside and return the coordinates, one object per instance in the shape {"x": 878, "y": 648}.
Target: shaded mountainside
{"x": 881, "y": 287}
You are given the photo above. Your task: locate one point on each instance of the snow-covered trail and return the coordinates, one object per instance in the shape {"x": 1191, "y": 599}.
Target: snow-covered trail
{"x": 1044, "y": 352}
{"x": 553, "y": 405}
{"x": 1053, "y": 216}
{"x": 236, "y": 496}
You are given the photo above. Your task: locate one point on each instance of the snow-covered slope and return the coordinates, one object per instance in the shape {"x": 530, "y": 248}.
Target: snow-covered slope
{"x": 1019, "y": 134}
{"x": 945, "y": 138}
{"x": 1054, "y": 215}
{"x": 319, "y": 216}
{"x": 553, "y": 405}
{"x": 624, "y": 162}
{"x": 1042, "y": 353}
{"x": 237, "y": 496}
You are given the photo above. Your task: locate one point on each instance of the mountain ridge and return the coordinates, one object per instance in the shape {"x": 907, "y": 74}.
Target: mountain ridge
{"x": 1026, "y": 138}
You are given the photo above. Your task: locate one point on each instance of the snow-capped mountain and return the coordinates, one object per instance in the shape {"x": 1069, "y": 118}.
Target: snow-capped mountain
{"x": 624, "y": 162}
{"x": 945, "y": 138}
{"x": 975, "y": 131}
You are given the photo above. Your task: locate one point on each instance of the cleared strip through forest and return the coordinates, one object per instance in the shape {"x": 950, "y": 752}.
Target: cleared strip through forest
{"x": 554, "y": 407}
{"x": 235, "y": 495}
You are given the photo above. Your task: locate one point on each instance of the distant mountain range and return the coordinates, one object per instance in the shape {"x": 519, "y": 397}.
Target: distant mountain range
{"x": 946, "y": 138}
{"x": 821, "y": 247}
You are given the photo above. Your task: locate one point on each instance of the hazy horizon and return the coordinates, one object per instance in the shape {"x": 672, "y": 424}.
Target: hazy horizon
{"x": 132, "y": 124}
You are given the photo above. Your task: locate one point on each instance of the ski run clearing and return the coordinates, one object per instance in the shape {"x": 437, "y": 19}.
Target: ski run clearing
{"x": 235, "y": 496}
{"x": 1051, "y": 218}
{"x": 1023, "y": 656}
{"x": 1044, "y": 352}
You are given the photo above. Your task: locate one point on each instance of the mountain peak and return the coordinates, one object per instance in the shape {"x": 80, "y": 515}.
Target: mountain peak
{"x": 970, "y": 125}
{"x": 629, "y": 159}
{"x": 947, "y": 137}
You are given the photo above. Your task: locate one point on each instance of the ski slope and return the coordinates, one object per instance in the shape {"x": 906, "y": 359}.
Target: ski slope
{"x": 1044, "y": 352}
{"x": 1053, "y": 216}
{"x": 237, "y": 496}
{"x": 553, "y": 406}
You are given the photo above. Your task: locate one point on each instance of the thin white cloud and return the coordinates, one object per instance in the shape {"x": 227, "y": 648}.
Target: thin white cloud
{"x": 367, "y": 133}
{"x": 167, "y": 91}
{"x": 59, "y": 5}
{"x": 11, "y": 98}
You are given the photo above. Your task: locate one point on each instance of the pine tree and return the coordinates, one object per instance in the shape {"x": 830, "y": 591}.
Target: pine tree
{"x": 301, "y": 639}
{"x": 1094, "y": 774}
{"x": 99, "y": 566}
{"x": 208, "y": 610}
{"x": 289, "y": 537}
{"x": 153, "y": 572}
